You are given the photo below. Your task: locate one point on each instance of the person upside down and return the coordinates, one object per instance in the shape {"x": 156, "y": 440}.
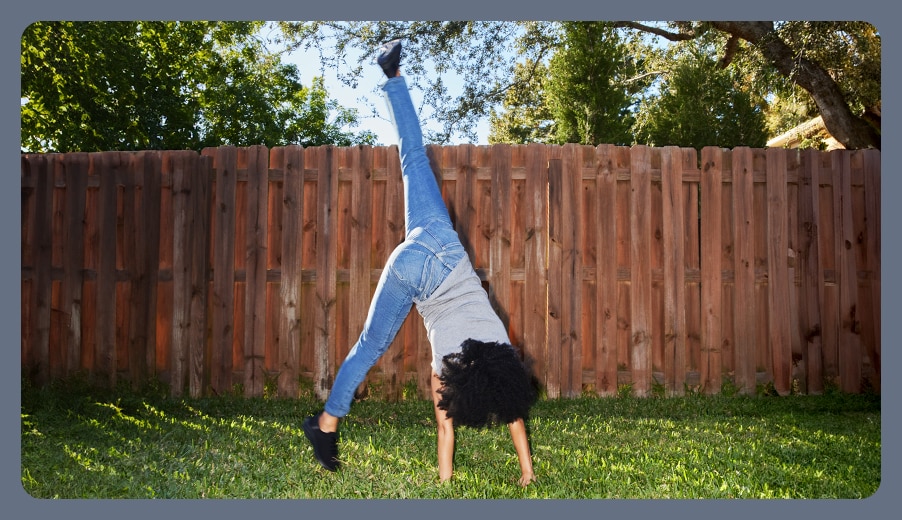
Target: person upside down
{"x": 478, "y": 378}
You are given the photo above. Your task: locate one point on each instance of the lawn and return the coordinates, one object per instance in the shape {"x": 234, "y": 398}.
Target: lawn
{"x": 82, "y": 442}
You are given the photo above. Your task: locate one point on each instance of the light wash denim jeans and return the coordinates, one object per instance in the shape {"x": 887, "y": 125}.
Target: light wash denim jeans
{"x": 431, "y": 249}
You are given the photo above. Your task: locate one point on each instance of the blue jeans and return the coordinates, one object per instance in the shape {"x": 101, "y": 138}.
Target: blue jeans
{"x": 431, "y": 249}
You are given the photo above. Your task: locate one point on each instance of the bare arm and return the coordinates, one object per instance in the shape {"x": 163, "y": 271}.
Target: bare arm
{"x": 521, "y": 444}
{"x": 445, "y": 434}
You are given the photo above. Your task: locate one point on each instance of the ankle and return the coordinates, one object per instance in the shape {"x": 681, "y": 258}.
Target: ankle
{"x": 327, "y": 423}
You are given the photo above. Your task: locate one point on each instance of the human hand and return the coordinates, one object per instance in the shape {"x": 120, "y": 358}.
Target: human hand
{"x": 527, "y": 479}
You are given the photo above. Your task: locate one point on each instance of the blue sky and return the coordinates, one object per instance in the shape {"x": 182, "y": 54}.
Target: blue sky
{"x": 367, "y": 96}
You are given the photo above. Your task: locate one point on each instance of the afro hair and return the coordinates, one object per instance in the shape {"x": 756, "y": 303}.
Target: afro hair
{"x": 485, "y": 384}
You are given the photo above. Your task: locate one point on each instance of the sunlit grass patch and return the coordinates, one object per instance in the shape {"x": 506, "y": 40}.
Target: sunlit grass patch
{"x": 79, "y": 442}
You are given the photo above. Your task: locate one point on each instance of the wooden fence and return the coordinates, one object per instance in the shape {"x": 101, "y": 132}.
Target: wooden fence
{"x": 609, "y": 265}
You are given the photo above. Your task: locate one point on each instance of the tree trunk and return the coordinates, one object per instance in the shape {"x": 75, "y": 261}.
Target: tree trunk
{"x": 847, "y": 128}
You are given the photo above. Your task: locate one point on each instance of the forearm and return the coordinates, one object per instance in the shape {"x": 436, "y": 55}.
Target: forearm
{"x": 521, "y": 445}
{"x": 445, "y": 452}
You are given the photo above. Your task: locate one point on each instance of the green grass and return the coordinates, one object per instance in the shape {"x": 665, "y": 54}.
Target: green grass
{"x": 81, "y": 442}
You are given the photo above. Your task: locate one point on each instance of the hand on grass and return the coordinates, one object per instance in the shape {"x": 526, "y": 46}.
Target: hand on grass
{"x": 527, "y": 479}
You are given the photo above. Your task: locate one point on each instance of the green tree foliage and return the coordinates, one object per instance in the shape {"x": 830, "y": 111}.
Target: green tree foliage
{"x": 699, "y": 103}
{"x": 525, "y": 117}
{"x": 849, "y": 51}
{"x": 92, "y": 86}
{"x": 588, "y": 87}
{"x": 793, "y": 70}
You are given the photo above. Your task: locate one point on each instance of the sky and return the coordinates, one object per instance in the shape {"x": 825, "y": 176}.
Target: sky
{"x": 367, "y": 96}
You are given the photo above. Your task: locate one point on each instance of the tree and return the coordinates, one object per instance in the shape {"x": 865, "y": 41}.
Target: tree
{"x": 485, "y": 53}
{"x": 525, "y": 117}
{"x": 588, "y": 87}
{"x": 700, "y": 103}
{"x": 94, "y": 86}
{"x": 785, "y": 47}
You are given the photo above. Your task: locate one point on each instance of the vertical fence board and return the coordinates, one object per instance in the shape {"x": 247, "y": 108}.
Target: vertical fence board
{"x": 640, "y": 271}
{"x": 180, "y": 273}
{"x": 744, "y": 307}
{"x": 326, "y": 247}
{"x": 105, "y": 347}
{"x": 691, "y": 252}
{"x": 606, "y": 273}
{"x": 41, "y": 242}
{"x": 132, "y": 351}
{"x": 223, "y": 248}
{"x": 555, "y": 327}
{"x": 850, "y": 351}
{"x": 255, "y": 269}
{"x": 200, "y": 198}
{"x": 674, "y": 271}
{"x": 361, "y": 238}
{"x": 291, "y": 161}
{"x": 778, "y": 279}
{"x": 812, "y": 276}
{"x": 500, "y": 233}
{"x": 571, "y": 271}
{"x": 76, "y": 178}
{"x": 536, "y": 282}
{"x": 871, "y": 307}
{"x": 711, "y": 276}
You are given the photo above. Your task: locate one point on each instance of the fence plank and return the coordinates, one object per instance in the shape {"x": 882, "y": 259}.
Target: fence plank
{"x": 255, "y": 268}
{"x": 692, "y": 250}
{"x": 606, "y": 272}
{"x": 41, "y": 169}
{"x": 711, "y": 240}
{"x": 744, "y": 306}
{"x": 200, "y": 197}
{"x": 326, "y": 247}
{"x": 291, "y": 161}
{"x": 76, "y": 177}
{"x": 850, "y": 351}
{"x": 640, "y": 271}
{"x": 180, "y": 267}
{"x": 223, "y": 248}
{"x": 108, "y": 165}
{"x": 812, "y": 276}
{"x": 500, "y": 233}
{"x": 674, "y": 271}
{"x": 778, "y": 279}
{"x": 151, "y": 210}
{"x": 871, "y": 308}
{"x": 571, "y": 270}
{"x": 554, "y": 336}
{"x": 536, "y": 282}
{"x": 130, "y": 306}
{"x": 361, "y": 237}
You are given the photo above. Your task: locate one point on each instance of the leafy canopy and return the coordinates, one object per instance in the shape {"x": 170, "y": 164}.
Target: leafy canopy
{"x": 92, "y": 86}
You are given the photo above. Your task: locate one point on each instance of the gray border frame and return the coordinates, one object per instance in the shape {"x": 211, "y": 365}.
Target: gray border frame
{"x": 14, "y": 21}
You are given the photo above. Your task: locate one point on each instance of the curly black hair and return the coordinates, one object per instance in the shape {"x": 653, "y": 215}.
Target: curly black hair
{"x": 485, "y": 384}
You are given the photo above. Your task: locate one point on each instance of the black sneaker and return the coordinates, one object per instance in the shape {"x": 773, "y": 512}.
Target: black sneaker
{"x": 325, "y": 444}
{"x": 390, "y": 57}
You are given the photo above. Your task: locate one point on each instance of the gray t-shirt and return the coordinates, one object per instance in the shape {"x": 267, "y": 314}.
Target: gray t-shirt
{"x": 457, "y": 311}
